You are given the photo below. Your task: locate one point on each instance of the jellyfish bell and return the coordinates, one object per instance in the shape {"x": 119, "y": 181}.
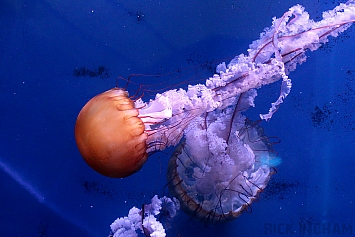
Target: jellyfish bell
{"x": 219, "y": 170}
{"x": 115, "y": 134}
{"x": 110, "y": 135}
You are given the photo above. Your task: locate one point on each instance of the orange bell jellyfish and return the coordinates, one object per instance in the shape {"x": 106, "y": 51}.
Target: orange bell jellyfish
{"x": 110, "y": 135}
{"x": 115, "y": 134}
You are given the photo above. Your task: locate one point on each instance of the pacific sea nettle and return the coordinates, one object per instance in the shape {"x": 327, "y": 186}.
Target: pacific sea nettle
{"x": 223, "y": 162}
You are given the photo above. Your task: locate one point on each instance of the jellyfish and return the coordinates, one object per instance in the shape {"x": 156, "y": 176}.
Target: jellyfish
{"x": 216, "y": 181}
{"x": 110, "y": 136}
{"x": 115, "y": 134}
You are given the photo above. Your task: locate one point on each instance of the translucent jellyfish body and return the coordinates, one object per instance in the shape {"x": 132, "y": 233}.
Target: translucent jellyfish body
{"x": 220, "y": 168}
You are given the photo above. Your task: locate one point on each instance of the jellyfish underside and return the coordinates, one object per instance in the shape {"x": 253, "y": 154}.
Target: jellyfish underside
{"x": 216, "y": 184}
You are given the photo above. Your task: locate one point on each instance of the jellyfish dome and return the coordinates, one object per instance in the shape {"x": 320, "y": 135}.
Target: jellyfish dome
{"x": 219, "y": 170}
{"x": 110, "y": 136}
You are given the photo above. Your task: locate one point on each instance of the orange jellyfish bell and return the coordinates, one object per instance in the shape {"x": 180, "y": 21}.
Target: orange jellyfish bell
{"x": 110, "y": 135}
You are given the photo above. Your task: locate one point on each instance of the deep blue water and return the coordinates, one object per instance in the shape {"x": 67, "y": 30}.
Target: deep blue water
{"x": 56, "y": 55}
